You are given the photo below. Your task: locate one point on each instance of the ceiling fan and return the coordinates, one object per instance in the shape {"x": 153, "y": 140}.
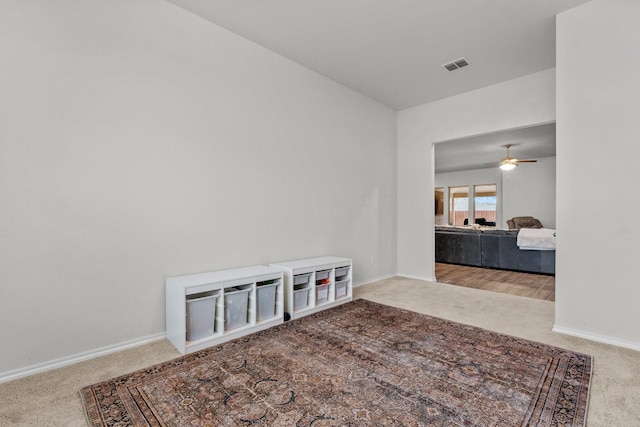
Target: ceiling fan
{"x": 509, "y": 163}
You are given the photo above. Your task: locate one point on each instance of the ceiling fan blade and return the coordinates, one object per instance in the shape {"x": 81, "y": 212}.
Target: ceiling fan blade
{"x": 526, "y": 161}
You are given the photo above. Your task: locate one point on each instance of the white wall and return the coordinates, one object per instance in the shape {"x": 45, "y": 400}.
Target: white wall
{"x": 138, "y": 141}
{"x": 598, "y": 131}
{"x": 530, "y": 190}
{"x": 522, "y": 102}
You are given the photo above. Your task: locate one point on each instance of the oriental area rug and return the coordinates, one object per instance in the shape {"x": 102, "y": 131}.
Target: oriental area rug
{"x": 358, "y": 364}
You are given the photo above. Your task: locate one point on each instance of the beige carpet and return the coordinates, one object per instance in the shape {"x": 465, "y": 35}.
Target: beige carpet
{"x": 52, "y": 398}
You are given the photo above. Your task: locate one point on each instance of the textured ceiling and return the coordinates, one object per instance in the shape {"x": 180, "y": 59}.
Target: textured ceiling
{"x": 393, "y": 50}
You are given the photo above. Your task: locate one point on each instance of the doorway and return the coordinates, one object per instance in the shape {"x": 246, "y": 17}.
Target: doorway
{"x": 465, "y": 170}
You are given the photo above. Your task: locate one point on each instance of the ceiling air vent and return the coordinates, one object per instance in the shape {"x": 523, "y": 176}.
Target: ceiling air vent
{"x": 454, "y": 65}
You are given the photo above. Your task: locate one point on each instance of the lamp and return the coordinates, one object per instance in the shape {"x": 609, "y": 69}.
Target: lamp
{"x": 507, "y": 166}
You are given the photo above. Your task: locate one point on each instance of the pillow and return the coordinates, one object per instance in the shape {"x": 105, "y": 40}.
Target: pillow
{"x": 526, "y": 222}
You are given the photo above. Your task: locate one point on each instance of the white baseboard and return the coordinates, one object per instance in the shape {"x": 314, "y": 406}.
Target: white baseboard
{"x": 92, "y": 354}
{"x": 596, "y": 337}
{"x": 426, "y": 279}
{"x": 391, "y": 276}
{"x": 377, "y": 279}
{"x": 76, "y": 358}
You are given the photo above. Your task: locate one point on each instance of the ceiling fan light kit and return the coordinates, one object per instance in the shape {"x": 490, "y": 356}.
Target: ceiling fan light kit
{"x": 509, "y": 163}
{"x": 507, "y": 166}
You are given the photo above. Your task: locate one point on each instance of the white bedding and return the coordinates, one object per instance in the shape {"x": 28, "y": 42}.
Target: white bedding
{"x": 540, "y": 239}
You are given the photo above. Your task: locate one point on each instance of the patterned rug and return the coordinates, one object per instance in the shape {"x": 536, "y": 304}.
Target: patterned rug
{"x": 358, "y": 364}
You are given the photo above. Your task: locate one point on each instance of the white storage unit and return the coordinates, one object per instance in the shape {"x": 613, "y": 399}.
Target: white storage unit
{"x": 315, "y": 284}
{"x": 210, "y": 308}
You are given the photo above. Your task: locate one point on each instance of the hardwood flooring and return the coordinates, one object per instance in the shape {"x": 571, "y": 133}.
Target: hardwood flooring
{"x": 539, "y": 286}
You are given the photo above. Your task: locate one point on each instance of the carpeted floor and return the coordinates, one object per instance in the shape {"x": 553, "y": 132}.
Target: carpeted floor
{"x": 51, "y": 399}
{"x": 362, "y": 363}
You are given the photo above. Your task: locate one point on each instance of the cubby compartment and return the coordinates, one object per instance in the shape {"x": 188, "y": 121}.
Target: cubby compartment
{"x": 236, "y": 307}
{"x": 342, "y": 274}
{"x": 301, "y": 279}
{"x": 266, "y": 296}
{"x": 323, "y": 282}
{"x": 341, "y": 288}
{"x": 201, "y": 315}
{"x": 322, "y": 293}
{"x": 323, "y": 277}
{"x": 301, "y": 297}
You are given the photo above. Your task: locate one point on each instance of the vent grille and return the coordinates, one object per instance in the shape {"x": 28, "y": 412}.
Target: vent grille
{"x": 457, "y": 64}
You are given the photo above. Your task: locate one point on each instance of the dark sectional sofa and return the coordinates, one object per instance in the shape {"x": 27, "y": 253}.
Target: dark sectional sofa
{"x": 490, "y": 248}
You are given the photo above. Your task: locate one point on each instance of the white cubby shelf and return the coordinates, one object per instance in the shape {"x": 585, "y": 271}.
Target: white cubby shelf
{"x": 315, "y": 284}
{"x": 207, "y": 309}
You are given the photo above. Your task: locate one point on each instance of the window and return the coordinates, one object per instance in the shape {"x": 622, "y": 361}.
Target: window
{"x": 458, "y": 205}
{"x": 484, "y": 203}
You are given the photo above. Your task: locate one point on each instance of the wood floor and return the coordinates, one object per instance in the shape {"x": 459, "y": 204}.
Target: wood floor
{"x": 538, "y": 286}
